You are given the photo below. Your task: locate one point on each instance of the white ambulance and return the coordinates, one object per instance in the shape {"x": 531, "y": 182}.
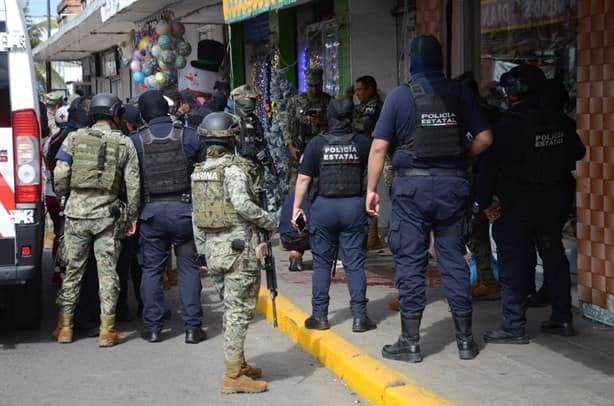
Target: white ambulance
{"x": 21, "y": 198}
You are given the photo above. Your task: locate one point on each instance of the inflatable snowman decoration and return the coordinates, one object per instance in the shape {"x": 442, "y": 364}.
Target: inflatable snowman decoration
{"x": 202, "y": 74}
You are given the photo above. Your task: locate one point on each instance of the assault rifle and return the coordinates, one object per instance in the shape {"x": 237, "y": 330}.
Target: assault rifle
{"x": 269, "y": 263}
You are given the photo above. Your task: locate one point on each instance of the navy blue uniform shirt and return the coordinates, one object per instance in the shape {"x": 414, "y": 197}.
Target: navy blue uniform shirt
{"x": 160, "y": 127}
{"x": 396, "y": 121}
{"x": 502, "y": 170}
{"x": 310, "y": 161}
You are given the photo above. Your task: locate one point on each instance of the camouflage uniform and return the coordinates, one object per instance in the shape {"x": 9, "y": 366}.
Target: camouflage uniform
{"x": 366, "y": 115}
{"x": 53, "y": 99}
{"x": 299, "y": 128}
{"x": 95, "y": 217}
{"x": 236, "y": 274}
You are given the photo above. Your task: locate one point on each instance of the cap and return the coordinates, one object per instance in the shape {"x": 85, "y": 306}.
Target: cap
{"x": 244, "y": 92}
{"x": 53, "y": 98}
{"x": 314, "y": 76}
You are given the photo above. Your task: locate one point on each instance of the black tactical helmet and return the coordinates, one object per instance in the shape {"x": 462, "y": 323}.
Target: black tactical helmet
{"x": 152, "y": 104}
{"x": 524, "y": 79}
{"x": 219, "y": 128}
{"x": 105, "y": 104}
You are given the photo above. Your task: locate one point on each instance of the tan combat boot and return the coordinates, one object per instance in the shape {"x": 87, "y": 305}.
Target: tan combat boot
{"x": 234, "y": 381}
{"x": 248, "y": 370}
{"x": 63, "y": 331}
{"x": 486, "y": 287}
{"x": 108, "y": 335}
{"x": 394, "y": 304}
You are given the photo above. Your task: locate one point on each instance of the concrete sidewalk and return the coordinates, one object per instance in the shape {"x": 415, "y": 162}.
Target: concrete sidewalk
{"x": 551, "y": 370}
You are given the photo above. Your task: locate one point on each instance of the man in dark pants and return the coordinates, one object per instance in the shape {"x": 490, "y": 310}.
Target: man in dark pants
{"x": 167, "y": 154}
{"x": 337, "y": 160}
{"x": 127, "y": 264}
{"x": 425, "y": 122}
{"x": 528, "y": 169}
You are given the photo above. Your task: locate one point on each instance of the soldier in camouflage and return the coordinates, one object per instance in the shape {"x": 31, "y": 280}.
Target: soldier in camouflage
{"x": 306, "y": 115}
{"x": 53, "y": 101}
{"x": 227, "y": 220}
{"x": 91, "y": 166}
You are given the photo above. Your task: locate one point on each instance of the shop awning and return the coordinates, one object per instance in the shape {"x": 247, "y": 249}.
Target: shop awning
{"x": 237, "y": 10}
{"x": 105, "y": 23}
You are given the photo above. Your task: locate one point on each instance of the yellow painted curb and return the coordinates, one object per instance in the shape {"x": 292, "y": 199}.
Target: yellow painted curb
{"x": 371, "y": 379}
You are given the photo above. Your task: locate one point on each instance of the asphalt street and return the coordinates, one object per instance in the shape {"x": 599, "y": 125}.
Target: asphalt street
{"x": 34, "y": 370}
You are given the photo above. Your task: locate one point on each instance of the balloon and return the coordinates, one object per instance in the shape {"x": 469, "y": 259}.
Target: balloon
{"x": 156, "y": 51}
{"x": 180, "y": 62}
{"x": 161, "y": 78}
{"x": 177, "y": 29}
{"x": 165, "y": 42}
{"x": 183, "y": 48}
{"x": 163, "y": 28}
{"x": 138, "y": 77}
{"x": 162, "y": 65}
{"x": 151, "y": 82}
{"x": 144, "y": 43}
{"x": 168, "y": 57}
{"x": 135, "y": 66}
{"x": 171, "y": 75}
{"x": 137, "y": 55}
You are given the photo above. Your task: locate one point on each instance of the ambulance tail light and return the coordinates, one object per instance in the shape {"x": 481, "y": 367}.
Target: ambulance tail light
{"x": 27, "y": 156}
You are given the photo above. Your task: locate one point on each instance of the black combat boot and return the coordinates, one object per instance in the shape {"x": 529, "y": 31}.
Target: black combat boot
{"x": 467, "y": 348}
{"x": 407, "y": 347}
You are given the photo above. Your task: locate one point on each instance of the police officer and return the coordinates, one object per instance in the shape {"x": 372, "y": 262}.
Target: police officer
{"x": 167, "y": 154}
{"x": 336, "y": 161}
{"x": 227, "y": 221}
{"x": 529, "y": 170}
{"x": 91, "y": 166}
{"x": 306, "y": 118}
{"x": 426, "y": 120}
{"x": 365, "y": 116}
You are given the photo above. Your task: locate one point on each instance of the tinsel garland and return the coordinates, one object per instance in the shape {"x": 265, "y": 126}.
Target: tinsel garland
{"x": 281, "y": 90}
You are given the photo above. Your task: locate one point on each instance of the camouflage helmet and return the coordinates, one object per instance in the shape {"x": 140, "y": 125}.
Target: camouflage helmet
{"x": 245, "y": 98}
{"x": 219, "y": 128}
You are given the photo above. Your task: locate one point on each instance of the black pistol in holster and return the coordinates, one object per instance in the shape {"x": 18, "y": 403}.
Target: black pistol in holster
{"x": 119, "y": 213}
{"x": 269, "y": 264}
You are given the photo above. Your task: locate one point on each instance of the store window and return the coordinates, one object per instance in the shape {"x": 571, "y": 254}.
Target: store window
{"x": 540, "y": 32}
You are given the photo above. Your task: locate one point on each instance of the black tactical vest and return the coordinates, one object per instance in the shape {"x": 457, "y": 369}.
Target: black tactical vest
{"x": 165, "y": 166}
{"x": 251, "y": 139}
{"x": 546, "y": 157}
{"x": 341, "y": 174}
{"x": 437, "y": 132}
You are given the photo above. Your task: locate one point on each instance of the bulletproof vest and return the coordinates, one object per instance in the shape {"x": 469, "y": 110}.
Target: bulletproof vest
{"x": 341, "y": 174}
{"x": 95, "y": 160}
{"x": 165, "y": 167}
{"x": 213, "y": 211}
{"x": 251, "y": 141}
{"x": 546, "y": 158}
{"x": 437, "y": 132}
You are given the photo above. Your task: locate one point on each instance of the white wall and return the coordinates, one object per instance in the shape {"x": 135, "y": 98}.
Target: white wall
{"x": 373, "y": 41}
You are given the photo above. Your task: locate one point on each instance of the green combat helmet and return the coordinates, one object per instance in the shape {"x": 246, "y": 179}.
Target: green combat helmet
{"x": 315, "y": 77}
{"x": 245, "y": 98}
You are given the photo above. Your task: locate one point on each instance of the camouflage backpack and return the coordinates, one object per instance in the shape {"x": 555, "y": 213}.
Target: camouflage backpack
{"x": 95, "y": 160}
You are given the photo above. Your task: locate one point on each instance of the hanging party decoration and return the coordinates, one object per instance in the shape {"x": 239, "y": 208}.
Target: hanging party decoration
{"x": 158, "y": 51}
